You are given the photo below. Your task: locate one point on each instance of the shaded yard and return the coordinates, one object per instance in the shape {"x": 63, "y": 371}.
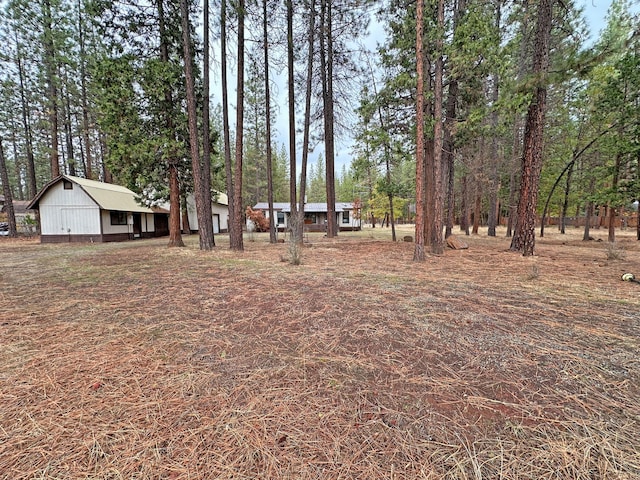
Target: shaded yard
{"x": 132, "y": 360}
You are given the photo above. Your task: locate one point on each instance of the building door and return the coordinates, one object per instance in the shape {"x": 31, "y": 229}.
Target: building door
{"x": 137, "y": 225}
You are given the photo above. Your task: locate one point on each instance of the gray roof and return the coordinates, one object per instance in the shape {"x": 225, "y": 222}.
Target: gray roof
{"x": 308, "y": 207}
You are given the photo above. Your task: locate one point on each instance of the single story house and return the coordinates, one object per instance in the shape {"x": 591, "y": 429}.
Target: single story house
{"x": 219, "y": 211}
{"x": 315, "y": 215}
{"x": 74, "y": 209}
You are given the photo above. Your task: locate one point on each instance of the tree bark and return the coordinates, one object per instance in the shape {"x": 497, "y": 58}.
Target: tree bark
{"x": 68, "y": 134}
{"x": 307, "y": 121}
{"x": 237, "y": 240}
{"x": 88, "y": 158}
{"x": 17, "y": 166}
{"x": 292, "y": 121}
{"x": 494, "y": 185}
{"x": 206, "y": 125}
{"x": 267, "y": 93}
{"x": 464, "y": 206}
{"x": 6, "y": 191}
{"x": 175, "y": 237}
{"x": 326, "y": 66}
{"x": 228, "y": 167}
{"x": 52, "y": 89}
{"x": 611, "y": 237}
{"x": 437, "y": 243}
{"x": 26, "y": 125}
{"x": 524, "y": 238}
{"x": 418, "y": 253}
{"x": 492, "y": 217}
{"x": 565, "y": 203}
{"x": 477, "y": 210}
{"x": 202, "y": 190}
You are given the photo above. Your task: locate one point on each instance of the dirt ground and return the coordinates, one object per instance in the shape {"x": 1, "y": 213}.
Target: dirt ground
{"x": 136, "y": 361}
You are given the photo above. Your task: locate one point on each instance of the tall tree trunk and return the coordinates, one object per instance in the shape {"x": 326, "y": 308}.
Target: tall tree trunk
{"x": 206, "y": 124}
{"x": 513, "y": 199}
{"x": 437, "y": 243}
{"x": 418, "y": 253}
{"x": 26, "y": 125}
{"x": 387, "y": 156}
{"x": 524, "y": 238}
{"x": 202, "y": 190}
{"x": 464, "y": 206}
{"x": 492, "y": 217}
{"x": 307, "y": 120}
{"x": 175, "y": 237}
{"x": 565, "y": 203}
{"x": 6, "y": 191}
{"x": 429, "y": 179}
{"x": 267, "y": 100}
{"x": 88, "y": 158}
{"x": 237, "y": 240}
{"x": 16, "y": 163}
{"x": 477, "y": 210}
{"x": 448, "y": 155}
{"x": 638, "y": 198}
{"x": 326, "y": 66}
{"x": 494, "y": 185}
{"x": 587, "y": 221}
{"x": 518, "y": 129}
{"x": 228, "y": 167}
{"x": 52, "y": 89}
{"x": 68, "y": 133}
{"x": 106, "y": 173}
{"x": 611, "y": 237}
{"x": 292, "y": 123}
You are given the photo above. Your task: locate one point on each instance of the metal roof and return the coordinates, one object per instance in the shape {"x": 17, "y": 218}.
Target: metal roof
{"x": 106, "y": 195}
{"x": 308, "y": 207}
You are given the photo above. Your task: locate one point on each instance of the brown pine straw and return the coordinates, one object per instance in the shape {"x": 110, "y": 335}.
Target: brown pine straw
{"x": 135, "y": 361}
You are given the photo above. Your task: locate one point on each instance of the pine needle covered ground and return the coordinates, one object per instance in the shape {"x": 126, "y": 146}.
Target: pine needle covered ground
{"x": 135, "y": 361}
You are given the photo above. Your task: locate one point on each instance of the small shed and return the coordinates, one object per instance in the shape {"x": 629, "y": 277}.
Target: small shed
{"x": 74, "y": 209}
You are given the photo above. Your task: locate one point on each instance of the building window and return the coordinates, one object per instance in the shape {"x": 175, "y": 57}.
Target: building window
{"x": 280, "y": 218}
{"x": 310, "y": 218}
{"x": 118, "y": 218}
{"x": 345, "y": 217}
{"x": 67, "y": 185}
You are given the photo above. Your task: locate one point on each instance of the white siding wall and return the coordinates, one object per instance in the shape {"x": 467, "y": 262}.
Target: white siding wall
{"x": 223, "y": 212}
{"x": 71, "y": 212}
{"x": 148, "y": 225}
{"x": 216, "y": 209}
{"x": 107, "y": 228}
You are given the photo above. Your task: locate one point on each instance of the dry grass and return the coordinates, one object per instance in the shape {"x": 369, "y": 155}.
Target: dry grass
{"x": 134, "y": 361}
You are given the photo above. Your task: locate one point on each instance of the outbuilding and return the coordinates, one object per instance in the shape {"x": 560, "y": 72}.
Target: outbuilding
{"x": 74, "y": 209}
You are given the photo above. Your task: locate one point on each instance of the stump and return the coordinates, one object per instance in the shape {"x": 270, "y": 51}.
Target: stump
{"x": 407, "y": 238}
{"x": 455, "y": 243}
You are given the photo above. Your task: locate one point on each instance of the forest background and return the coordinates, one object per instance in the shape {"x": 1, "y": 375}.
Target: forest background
{"x": 115, "y": 91}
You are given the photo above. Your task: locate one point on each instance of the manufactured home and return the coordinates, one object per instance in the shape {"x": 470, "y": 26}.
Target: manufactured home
{"x": 315, "y": 215}
{"x": 74, "y": 209}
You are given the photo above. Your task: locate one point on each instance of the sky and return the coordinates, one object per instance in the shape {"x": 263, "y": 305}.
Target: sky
{"x": 595, "y": 12}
